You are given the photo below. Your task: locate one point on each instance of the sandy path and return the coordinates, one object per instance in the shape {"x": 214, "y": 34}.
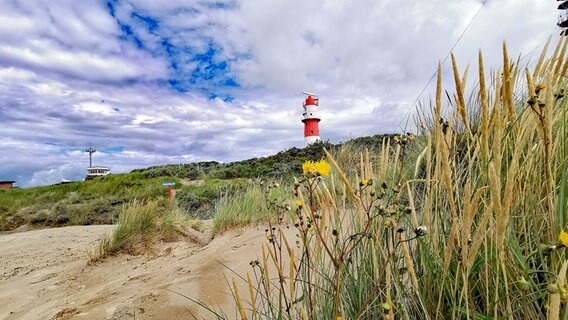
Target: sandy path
{"x": 44, "y": 275}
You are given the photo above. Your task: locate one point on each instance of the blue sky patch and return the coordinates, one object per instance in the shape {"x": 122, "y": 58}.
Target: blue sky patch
{"x": 150, "y": 23}
{"x": 191, "y": 70}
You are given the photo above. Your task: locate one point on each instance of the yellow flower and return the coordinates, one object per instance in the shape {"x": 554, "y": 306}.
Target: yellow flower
{"x": 298, "y": 203}
{"x": 563, "y": 238}
{"x": 338, "y": 318}
{"x": 322, "y": 167}
{"x": 311, "y": 227}
{"x": 364, "y": 182}
{"x": 309, "y": 167}
{"x": 313, "y": 168}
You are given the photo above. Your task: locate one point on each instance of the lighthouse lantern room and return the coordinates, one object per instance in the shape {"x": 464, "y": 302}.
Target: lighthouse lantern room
{"x": 311, "y": 119}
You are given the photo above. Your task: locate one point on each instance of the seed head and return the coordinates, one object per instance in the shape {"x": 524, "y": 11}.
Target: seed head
{"x": 552, "y": 288}
{"x": 538, "y": 88}
{"x": 531, "y": 101}
{"x": 421, "y": 231}
{"x": 524, "y": 285}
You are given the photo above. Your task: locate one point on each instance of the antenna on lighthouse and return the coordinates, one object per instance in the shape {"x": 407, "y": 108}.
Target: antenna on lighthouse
{"x": 90, "y": 151}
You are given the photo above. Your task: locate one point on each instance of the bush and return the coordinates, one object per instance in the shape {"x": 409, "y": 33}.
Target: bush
{"x": 39, "y": 218}
{"x": 62, "y": 219}
{"x": 188, "y": 201}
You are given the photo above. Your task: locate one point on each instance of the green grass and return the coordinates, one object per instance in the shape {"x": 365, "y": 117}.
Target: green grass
{"x": 95, "y": 201}
{"x": 247, "y": 205}
{"x": 139, "y": 225}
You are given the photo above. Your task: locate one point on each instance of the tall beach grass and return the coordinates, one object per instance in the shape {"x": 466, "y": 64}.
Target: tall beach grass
{"x": 460, "y": 223}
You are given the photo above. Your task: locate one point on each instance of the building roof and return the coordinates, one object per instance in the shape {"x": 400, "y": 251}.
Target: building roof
{"x": 7, "y": 181}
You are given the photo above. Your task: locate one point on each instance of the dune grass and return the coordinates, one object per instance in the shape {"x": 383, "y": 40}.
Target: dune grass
{"x": 254, "y": 203}
{"x": 470, "y": 225}
{"x": 139, "y": 225}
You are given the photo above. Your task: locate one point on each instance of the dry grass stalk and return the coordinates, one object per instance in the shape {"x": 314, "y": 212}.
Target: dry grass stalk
{"x": 252, "y": 296}
{"x": 538, "y": 67}
{"x": 242, "y": 311}
{"x": 459, "y": 92}
{"x": 507, "y": 93}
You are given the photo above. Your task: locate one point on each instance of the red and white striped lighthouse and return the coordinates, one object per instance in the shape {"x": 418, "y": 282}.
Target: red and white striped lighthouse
{"x": 311, "y": 119}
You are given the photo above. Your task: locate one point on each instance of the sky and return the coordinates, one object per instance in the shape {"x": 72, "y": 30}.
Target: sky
{"x": 148, "y": 82}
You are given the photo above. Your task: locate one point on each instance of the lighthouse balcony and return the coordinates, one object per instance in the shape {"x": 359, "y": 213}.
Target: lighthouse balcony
{"x": 311, "y": 118}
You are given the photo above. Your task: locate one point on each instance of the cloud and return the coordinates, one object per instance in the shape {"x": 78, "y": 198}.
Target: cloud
{"x": 149, "y": 83}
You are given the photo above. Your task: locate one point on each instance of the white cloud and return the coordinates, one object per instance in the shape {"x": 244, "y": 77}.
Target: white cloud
{"x": 72, "y": 74}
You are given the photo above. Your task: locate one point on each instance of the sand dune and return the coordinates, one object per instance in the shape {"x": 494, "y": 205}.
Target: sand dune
{"x": 44, "y": 275}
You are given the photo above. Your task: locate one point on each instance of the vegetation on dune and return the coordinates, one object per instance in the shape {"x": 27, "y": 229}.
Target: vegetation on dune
{"x": 245, "y": 206}
{"x": 95, "y": 201}
{"x": 468, "y": 222}
{"x": 139, "y": 225}
{"x": 284, "y": 164}
{"x": 199, "y": 186}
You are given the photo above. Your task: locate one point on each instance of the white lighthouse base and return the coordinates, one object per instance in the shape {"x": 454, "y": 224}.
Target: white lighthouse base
{"x": 310, "y": 139}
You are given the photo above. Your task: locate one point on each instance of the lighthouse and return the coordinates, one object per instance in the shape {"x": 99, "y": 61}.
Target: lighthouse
{"x": 311, "y": 119}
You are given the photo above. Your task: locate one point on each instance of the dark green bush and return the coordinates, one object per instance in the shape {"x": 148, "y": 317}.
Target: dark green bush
{"x": 40, "y": 218}
{"x": 188, "y": 201}
{"x": 62, "y": 219}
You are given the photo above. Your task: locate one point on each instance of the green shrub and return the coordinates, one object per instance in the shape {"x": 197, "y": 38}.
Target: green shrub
{"x": 188, "y": 201}
{"x": 62, "y": 219}
{"x": 40, "y": 218}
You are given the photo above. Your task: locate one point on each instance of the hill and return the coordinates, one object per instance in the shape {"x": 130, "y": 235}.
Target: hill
{"x": 198, "y": 186}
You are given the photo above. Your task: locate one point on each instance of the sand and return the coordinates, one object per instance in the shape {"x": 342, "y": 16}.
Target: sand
{"x": 44, "y": 274}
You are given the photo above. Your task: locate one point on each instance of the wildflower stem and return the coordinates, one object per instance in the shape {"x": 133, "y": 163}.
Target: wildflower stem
{"x": 338, "y": 271}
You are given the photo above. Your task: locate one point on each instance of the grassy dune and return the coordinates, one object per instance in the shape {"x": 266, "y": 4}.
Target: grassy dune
{"x": 99, "y": 201}
{"x": 79, "y": 203}
{"x": 466, "y": 222}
